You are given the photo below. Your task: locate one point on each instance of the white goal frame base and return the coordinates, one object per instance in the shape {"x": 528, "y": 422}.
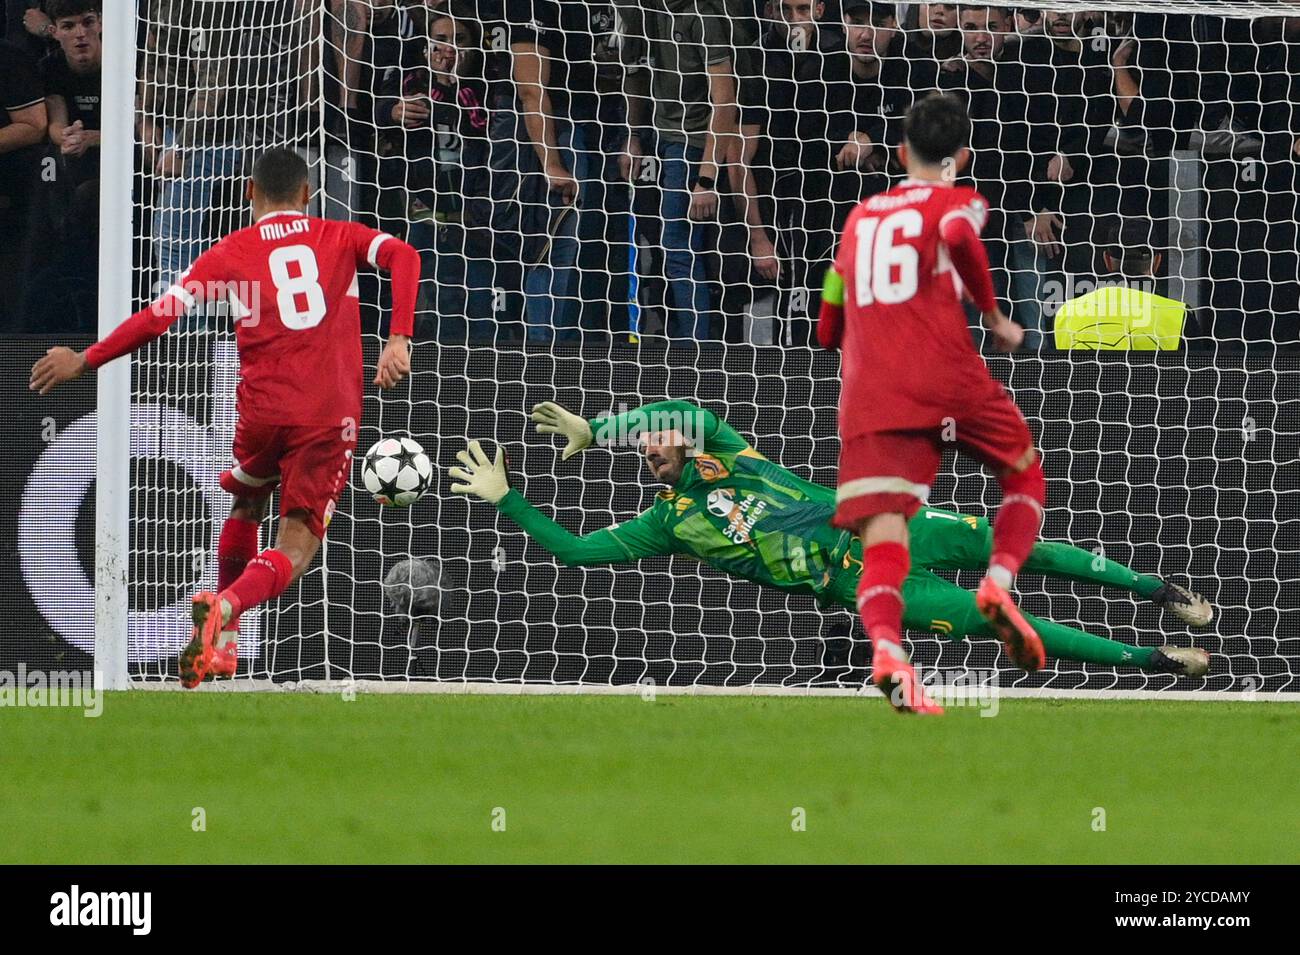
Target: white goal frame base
{"x": 942, "y": 693}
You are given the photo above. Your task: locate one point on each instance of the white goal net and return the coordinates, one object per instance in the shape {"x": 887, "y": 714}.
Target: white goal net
{"x": 1149, "y": 146}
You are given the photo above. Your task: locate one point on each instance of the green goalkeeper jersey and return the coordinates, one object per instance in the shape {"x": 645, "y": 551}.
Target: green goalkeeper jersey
{"x": 732, "y": 509}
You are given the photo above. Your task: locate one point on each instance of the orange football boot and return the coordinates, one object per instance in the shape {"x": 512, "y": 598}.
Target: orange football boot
{"x": 1023, "y": 644}
{"x": 196, "y": 659}
{"x": 896, "y": 678}
{"x": 225, "y": 653}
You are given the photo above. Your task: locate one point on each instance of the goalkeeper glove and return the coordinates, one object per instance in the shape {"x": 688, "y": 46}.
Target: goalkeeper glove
{"x": 550, "y": 418}
{"x": 480, "y": 477}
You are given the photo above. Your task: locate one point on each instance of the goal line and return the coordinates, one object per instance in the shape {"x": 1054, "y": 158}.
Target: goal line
{"x": 943, "y": 693}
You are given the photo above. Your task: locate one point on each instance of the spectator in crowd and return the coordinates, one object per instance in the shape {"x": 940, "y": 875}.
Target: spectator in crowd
{"x": 1070, "y": 111}
{"x": 992, "y": 85}
{"x": 72, "y": 86}
{"x": 1028, "y": 22}
{"x": 597, "y": 109}
{"x": 190, "y": 131}
{"x": 544, "y": 101}
{"x": 70, "y": 210}
{"x": 875, "y": 80}
{"x": 436, "y": 120}
{"x": 932, "y": 39}
{"x": 29, "y": 27}
{"x": 785, "y": 152}
{"x": 680, "y": 78}
{"x": 23, "y": 122}
{"x": 374, "y": 44}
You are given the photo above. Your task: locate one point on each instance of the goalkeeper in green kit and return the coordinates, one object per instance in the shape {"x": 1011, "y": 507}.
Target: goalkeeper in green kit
{"x": 729, "y": 507}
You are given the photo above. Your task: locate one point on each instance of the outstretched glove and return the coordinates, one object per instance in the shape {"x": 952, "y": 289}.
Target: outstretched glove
{"x": 550, "y": 418}
{"x": 480, "y": 477}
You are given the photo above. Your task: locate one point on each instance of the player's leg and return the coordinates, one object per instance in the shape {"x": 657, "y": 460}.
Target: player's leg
{"x": 313, "y": 465}
{"x": 996, "y": 433}
{"x": 237, "y": 545}
{"x": 213, "y": 641}
{"x": 1065, "y": 561}
{"x": 878, "y": 490}
{"x": 941, "y": 607}
{"x": 945, "y": 540}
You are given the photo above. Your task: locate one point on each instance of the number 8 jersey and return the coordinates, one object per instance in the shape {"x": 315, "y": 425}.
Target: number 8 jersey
{"x": 906, "y": 258}
{"x": 291, "y": 284}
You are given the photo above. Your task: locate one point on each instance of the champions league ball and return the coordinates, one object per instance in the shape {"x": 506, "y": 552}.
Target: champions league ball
{"x": 396, "y": 472}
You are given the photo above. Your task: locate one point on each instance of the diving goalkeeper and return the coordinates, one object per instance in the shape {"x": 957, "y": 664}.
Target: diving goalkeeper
{"x": 729, "y": 507}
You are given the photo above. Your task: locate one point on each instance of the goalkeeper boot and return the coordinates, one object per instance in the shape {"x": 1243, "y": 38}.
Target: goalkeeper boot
{"x": 896, "y": 678}
{"x": 1191, "y": 608}
{"x": 196, "y": 659}
{"x": 1022, "y": 642}
{"x": 225, "y": 653}
{"x": 1181, "y": 661}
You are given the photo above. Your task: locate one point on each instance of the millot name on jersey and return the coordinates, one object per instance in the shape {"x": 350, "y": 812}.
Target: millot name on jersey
{"x": 284, "y": 228}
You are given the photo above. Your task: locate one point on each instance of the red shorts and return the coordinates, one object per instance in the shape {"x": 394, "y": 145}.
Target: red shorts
{"x": 310, "y": 463}
{"x": 890, "y": 472}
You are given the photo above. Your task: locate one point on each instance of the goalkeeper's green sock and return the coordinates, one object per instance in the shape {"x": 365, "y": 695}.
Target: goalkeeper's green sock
{"x": 1067, "y": 562}
{"x": 1069, "y": 644}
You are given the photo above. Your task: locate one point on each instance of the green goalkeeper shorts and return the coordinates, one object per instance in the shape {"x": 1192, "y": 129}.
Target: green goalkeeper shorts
{"x": 939, "y": 540}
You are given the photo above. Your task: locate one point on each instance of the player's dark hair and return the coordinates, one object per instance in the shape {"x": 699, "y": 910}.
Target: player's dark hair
{"x": 937, "y": 127}
{"x": 877, "y": 13}
{"x": 56, "y": 10}
{"x": 279, "y": 174}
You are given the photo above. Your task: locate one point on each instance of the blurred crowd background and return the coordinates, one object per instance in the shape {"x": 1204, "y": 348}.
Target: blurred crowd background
{"x": 587, "y": 171}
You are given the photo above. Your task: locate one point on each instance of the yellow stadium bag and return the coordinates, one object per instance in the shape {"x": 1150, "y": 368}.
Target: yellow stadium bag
{"x": 1115, "y": 318}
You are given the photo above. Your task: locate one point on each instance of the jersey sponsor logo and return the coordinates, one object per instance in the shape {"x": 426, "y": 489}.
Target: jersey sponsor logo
{"x": 722, "y": 502}
{"x": 740, "y": 517}
{"x": 683, "y": 505}
{"x": 710, "y": 468}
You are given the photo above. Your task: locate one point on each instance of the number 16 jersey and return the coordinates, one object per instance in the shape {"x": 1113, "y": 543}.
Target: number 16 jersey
{"x": 908, "y": 357}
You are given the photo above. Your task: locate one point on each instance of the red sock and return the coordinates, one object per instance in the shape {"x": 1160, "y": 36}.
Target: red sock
{"x": 265, "y": 578}
{"x": 236, "y": 547}
{"x": 1019, "y": 519}
{"x": 880, "y": 591}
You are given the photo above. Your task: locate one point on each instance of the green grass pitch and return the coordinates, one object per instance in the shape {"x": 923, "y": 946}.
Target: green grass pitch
{"x": 302, "y": 778}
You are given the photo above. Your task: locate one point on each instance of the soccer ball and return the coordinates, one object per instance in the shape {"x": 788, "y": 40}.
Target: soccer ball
{"x": 396, "y": 472}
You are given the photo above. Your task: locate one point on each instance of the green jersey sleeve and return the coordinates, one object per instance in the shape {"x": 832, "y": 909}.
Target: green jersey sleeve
{"x": 705, "y": 430}
{"x": 643, "y": 536}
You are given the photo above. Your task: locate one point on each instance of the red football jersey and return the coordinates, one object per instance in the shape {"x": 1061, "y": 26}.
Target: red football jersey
{"x": 908, "y": 359}
{"x": 291, "y": 281}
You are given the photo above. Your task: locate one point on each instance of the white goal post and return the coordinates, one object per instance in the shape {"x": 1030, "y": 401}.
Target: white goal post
{"x": 1178, "y": 463}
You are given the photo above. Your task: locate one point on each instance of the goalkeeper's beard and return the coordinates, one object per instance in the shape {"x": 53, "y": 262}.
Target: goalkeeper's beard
{"x": 665, "y": 469}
